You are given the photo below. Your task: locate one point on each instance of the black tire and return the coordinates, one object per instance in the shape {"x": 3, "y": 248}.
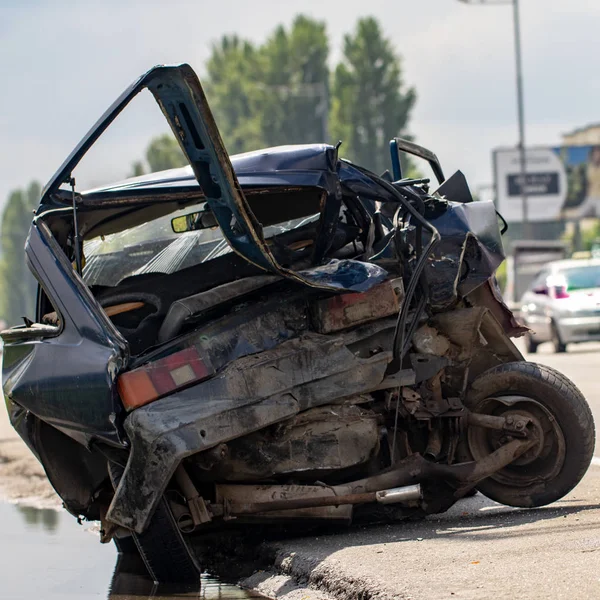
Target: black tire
{"x": 126, "y": 545}
{"x": 557, "y": 343}
{"x": 531, "y": 345}
{"x": 556, "y": 470}
{"x": 162, "y": 546}
{"x": 164, "y": 551}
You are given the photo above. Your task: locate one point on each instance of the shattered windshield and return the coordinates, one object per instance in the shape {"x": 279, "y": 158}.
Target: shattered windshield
{"x": 154, "y": 247}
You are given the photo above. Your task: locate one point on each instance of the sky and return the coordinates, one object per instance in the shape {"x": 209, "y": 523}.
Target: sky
{"x": 64, "y": 62}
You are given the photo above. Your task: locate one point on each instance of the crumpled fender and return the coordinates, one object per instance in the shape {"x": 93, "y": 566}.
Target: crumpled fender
{"x": 468, "y": 254}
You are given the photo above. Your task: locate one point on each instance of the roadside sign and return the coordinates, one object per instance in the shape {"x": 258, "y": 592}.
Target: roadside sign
{"x": 562, "y": 182}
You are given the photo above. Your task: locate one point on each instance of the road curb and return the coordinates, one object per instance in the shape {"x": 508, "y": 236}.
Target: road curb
{"x": 318, "y": 579}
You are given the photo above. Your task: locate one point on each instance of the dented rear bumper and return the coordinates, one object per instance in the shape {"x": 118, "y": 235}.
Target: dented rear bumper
{"x": 250, "y": 394}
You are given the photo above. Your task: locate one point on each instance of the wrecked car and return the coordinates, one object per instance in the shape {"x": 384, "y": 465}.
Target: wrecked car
{"x": 280, "y": 336}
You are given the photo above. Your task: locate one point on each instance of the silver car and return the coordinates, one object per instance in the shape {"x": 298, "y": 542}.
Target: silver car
{"x": 562, "y": 304}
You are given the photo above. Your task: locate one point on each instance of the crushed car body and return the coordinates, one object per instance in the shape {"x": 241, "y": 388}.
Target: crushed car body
{"x": 277, "y": 336}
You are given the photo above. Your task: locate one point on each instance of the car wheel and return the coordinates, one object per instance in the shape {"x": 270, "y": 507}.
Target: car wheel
{"x": 531, "y": 345}
{"x": 162, "y": 547}
{"x": 557, "y": 343}
{"x": 558, "y": 418}
{"x": 126, "y": 545}
{"x": 164, "y": 550}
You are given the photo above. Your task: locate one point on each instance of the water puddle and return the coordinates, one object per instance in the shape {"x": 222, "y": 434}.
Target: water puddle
{"x": 46, "y": 555}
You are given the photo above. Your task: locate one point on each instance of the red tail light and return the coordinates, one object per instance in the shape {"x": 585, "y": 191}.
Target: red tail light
{"x": 159, "y": 378}
{"x": 560, "y": 291}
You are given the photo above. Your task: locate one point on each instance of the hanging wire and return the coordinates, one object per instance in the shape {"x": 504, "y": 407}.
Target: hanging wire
{"x": 402, "y": 337}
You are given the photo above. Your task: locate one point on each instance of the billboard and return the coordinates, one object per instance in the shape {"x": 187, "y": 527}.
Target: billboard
{"x": 562, "y": 182}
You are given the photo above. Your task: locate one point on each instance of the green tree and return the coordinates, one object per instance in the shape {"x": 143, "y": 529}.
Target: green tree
{"x": 137, "y": 169}
{"x": 233, "y": 91}
{"x": 295, "y": 78}
{"x": 583, "y": 236}
{"x": 164, "y": 153}
{"x": 370, "y": 101}
{"x": 279, "y": 93}
{"x": 234, "y": 99}
{"x": 17, "y": 285}
{"x": 273, "y": 94}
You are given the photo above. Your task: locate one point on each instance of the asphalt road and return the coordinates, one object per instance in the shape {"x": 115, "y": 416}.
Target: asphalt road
{"x": 581, "y": 364}
{"x": 477, "y": 550}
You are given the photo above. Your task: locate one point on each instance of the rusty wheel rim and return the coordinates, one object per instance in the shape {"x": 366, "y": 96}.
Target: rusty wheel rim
{"x": 542, "y": 462}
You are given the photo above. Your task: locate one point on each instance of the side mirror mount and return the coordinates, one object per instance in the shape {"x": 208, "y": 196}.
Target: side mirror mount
{"x": 400, "y": 144}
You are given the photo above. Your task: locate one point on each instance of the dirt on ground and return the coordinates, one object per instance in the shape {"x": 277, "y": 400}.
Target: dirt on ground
{"x": 22, "y": 478}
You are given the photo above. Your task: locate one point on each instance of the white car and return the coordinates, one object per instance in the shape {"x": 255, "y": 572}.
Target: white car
{"x": 562, "y": 304}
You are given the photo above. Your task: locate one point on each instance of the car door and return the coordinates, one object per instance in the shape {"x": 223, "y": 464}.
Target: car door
{"x": 63, "y": 368}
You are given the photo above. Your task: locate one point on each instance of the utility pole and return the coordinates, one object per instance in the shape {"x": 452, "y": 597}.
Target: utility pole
{"x": 521, "y": 115}
{"x": 520, "y": 107}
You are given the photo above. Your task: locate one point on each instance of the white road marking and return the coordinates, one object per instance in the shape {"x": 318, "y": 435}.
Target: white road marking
{"x": 596, "y": 461}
